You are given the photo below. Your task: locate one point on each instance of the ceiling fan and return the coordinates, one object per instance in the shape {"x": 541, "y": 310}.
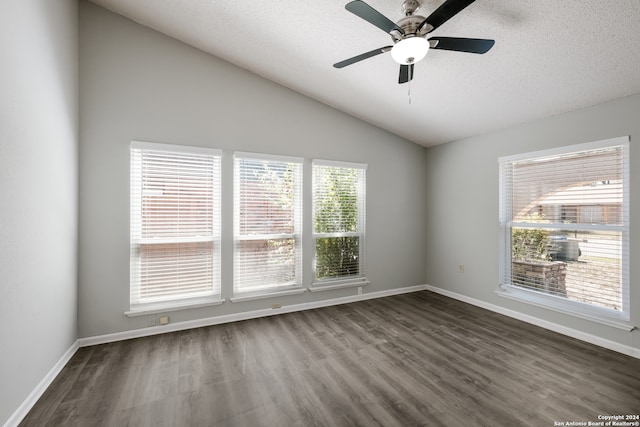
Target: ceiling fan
{"x": 409, "y": 34}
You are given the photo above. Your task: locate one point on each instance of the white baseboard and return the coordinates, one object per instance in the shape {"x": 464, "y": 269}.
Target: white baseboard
{"x": 31, "y": 400}
{"x": 217, "y": 320}
{"x": 37, "y": 392}
{"x": 573, "y": 333}
{"x": 16, "y": 418}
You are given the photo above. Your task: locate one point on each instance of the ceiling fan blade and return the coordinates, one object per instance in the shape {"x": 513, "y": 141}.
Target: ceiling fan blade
{"x": 406, "y": 73}
{"x": 446, "y": 11}
{"x": 362, "y": 56}
{"x": 371, "y": 15}
{"x": 461, "y": 44}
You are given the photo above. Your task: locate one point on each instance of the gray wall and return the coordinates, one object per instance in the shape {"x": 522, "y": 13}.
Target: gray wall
{"x": 462, "y": 192}
{"x": 137, "y": 84}
{"x": 38, "y": 192}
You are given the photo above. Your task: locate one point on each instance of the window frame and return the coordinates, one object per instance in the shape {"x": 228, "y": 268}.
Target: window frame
{"x": 268, "y": 289}
{"x": 603, "y": 315}
{"x": 138, "y": 306}
{"x": 343, "y": 281}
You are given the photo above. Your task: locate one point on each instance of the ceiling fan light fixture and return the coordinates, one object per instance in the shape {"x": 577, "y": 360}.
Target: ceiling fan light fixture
{"x": 410, "y": 50}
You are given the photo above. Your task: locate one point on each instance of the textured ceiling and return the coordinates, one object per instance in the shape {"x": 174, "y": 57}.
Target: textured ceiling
{"x": 550, "y": 56}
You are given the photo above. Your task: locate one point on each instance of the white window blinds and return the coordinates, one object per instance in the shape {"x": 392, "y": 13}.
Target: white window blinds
{"x": 338, "y": 220}
{"x": 175, "y": 223}
{"x": 565, "y": 216}
{"x": 267, "y": 223}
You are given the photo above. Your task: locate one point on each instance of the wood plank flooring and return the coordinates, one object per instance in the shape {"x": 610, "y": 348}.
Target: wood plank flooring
{"x": 416, "y": 359}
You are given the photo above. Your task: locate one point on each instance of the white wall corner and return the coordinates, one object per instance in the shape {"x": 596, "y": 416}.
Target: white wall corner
{"x": 16, "y": 418}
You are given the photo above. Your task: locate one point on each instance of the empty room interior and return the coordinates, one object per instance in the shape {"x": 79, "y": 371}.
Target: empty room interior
{"x": 227, "y": 213}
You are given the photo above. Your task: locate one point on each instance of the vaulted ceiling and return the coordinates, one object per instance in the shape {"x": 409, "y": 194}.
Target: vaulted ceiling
{"x": 550, "y": 57}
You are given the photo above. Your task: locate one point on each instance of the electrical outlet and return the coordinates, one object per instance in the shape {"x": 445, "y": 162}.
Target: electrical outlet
{"x": 151, "y": 321}
{"x": 276, "y": 305}
{"x": 359, "y": 290}
{"x": 164, "y": 320}
{"x": 461, "y": 268}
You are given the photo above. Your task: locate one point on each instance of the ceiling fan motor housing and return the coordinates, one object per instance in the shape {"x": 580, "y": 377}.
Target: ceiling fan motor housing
{"x": 409, "y": 25}
{"x": 411, "y": 29}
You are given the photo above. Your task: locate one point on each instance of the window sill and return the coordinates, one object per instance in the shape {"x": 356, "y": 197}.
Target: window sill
{"x": 338, "y": 284}
{"x": 568, "y": 307}
{"x": 264, "y": 295}
{"x": 145, "y": 309}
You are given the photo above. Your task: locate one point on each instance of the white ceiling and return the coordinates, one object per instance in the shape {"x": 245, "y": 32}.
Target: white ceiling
{"x": 550, "y": 56}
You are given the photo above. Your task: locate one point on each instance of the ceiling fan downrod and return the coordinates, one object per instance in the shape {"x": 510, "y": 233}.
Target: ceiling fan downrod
{"x": 409, "y": 7}
{"x": 411, "y": 22}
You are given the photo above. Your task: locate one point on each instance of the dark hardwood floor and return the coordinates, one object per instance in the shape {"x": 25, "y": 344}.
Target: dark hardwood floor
{"x": 408, "y": 360}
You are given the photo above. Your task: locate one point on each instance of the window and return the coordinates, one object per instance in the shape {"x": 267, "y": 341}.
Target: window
{"x": 267, "y": 223}
{"x": 338, "y": 221}
{"x": 175, "y": 225}
{"x": 564, "y": 218}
